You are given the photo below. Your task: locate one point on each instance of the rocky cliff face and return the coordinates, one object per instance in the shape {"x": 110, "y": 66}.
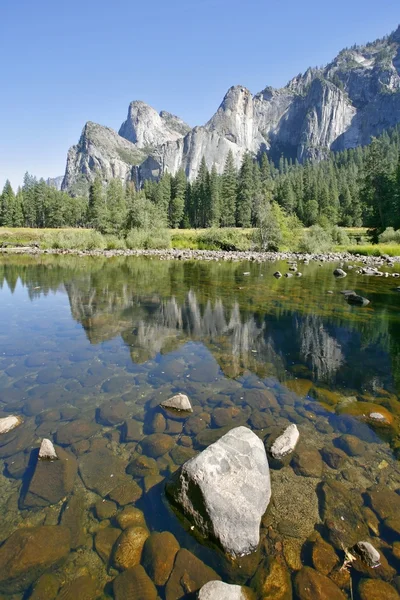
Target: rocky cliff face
{"x": 336, "y": 107}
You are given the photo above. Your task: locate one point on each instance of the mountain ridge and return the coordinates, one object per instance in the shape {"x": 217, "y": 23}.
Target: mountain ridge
{"x": 335, "y": 107}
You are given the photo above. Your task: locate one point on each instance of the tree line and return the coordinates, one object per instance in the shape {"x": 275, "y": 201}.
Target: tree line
{"x": 357, "y": 187}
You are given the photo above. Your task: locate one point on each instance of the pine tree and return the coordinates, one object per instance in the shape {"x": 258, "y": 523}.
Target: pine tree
{"x": 228, "y": 192}
{"x": 18, "y": 215}
{"x": 29, "y": 205}
{"x": 7, "y": 201}
{"x": 116, "y": 206}
{"x": 215, "y": 197}
{"x": 201, "y": 197}
{"x": 97, "y": 209}
{"x": 177, "y": 202}
{"x": 245, "y": 195}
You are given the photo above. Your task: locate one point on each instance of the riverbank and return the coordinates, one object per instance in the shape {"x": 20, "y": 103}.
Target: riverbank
{"x": 214, "y": 255}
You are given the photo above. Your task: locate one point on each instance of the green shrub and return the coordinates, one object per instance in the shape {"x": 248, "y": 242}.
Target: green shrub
{"x": 315, "y": 240}
{"x": 113, "y": 242}
{"x": 389, "y": 236}
{"x": 73, "y": 240}
{"x": 224, "y": 238}
{"x": 156, "y": 239}
{"x": 339, "y": 236}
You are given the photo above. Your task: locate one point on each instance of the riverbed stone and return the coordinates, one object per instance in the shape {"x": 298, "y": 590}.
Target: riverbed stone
{"x": 217, "y": 590}
{"x": 126, "y": 492}
{"x": 131, "y": 516}
{"x": 104, "y": 541}
{"x": 142, "y": 465}
{"x": 73, "y": 517}
{"x": 83, "y": 587}
{"x": 46, "y": 588}
{"x": 188, "y": 576}
{"x": 324, "y": 557}
{"x": 105, "y": 509}
{"x": 112, "y": 412}
{"x": 52, "y": 480}
{"x": 369, "y": 555}
{"x": 307, "y": 462}
{"x": 350, "y": 444}
{"x": 135, "y": 584}
{"x": 384, "y": 502}
{"x": 132, "y": 431}
{"x": 382, "y": 571}
{"x": 232, "y": 479}
{"x": 101, "y": 471}
{"x": 129, "y": 546}
{"x": 272, "y": 580}
{"x": 157, "y": 444}
{"x": 28, "y": 552}
{"x": 312, "y": 585}
{"x": 286, "y": 442}
{"x": 259, "y": 399}
{"x": 159, "y": 553}
{"x": 374, "y": 589}
{"x": 180, "y": 454}
{"x": 75, "y": 431}
{"x": 341, "y": 511}
{"x": 47, "y": 450}
{"x": 333, "y": 457}
{"x": 158, "y": 423}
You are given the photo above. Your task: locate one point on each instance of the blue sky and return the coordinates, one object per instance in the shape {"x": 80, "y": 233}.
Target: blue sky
{"x": 64, "y": 63}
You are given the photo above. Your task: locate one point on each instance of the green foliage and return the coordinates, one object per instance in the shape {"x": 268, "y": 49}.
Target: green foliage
{"x": 389, "y": 235}
{"x": 74, "y": 240}
{"x": 316, "y": 240}
{"x": 223, "y": 239}
{"x": 157, "y": 239}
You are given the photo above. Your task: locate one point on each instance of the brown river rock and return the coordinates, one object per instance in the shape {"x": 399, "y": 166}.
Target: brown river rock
{"x": 81, "y": 588}
{"x": 52, "y": 480}
{"x": 324, "y": 557}
{"x": 28, "y": 552}
{"x": 157, "y": 444}
{"x": 104, "y": 542}
{"x": 75, "y": 431}
{"x": 384, "y": 502}
{"x": 101, "y": 471}
{"x": 126, "y": 493}
{"x": 312, "y": 585}
{"x": 46, "y": 588}
{"x": 130, "y": 516}
{"x": 129, "y": 546}
{"x": 373, "y": 589}
{"x": 159, "y": 553}
{"x": 134, "y": 584}
{"x": 188, "y": 576}
{"x": 272, "y": 580}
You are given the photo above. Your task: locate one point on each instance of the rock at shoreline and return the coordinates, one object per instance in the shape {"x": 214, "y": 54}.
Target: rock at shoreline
{"x": 47, "y": 450}
{"x": 28, "y": 552}
{"x": 9, "y": 423}
{"x": 285, "y": 443}
{"x": 277, "y": 274}
{"x": 179, "y": 402}
{"x": 217, "y": 590}
{"x": 339, "y": 273}
{"x": 225, "y": 490}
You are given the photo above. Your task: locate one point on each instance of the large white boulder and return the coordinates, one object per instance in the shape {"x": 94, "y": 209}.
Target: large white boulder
{"x": 217, "y": 590}
{"x": 225, "y": 490}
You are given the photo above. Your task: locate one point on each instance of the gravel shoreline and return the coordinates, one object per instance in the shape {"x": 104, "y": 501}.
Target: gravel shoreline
{"x": 215, "y": 255}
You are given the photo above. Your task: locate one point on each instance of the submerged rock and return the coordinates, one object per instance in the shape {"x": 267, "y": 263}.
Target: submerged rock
{"x": 131, "y": 516}
{"x": 112, "y": 412}
{"x": 339, "y": 273}
{"x": 324, "y": 557}
{"x": 9, "y": 423}
{"x": 272, "y": 580}
{"x": 75, "y": 431}
{"x": 159, "y": 553}
{"x": 226, "y": 489}
{"x": 104, "y": 542}
{"x": 312, "y": 585}
{"x": 179, "y": 402}
{"x": 101, "y": 471}
{"x": 28, "y": 552}
{"x": 83, "y": 587}
{"x": 188, "y": 576}
{"x": 374, "y": 589}
{"x": 157, "y": 444}
{"x": 285, "y": 443}
{"x": 52, "y": 480}
{"x": 217, "y": 590}
{"x": 46, "y": 588}
{"x": 356, "y": 300}
{"x": 129, "y": 546}
{"x": 47, "y": 450}
{"x": 307, "y": 462}
{"x": 134, "y": 584}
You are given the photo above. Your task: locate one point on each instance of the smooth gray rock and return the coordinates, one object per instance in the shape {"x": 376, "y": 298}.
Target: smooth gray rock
{"x": 368, "y": 554}
{"x": 285, "y": 443}
{"x": 356, "y": 300}
{"x": 178, "y": 402}
{"x": 225, "y": 490}
{"x": 217, "y": 590}
{"x": 339, "y": 273}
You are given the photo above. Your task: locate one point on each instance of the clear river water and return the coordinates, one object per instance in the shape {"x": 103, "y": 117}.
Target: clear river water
{"x": 89, "y": 347}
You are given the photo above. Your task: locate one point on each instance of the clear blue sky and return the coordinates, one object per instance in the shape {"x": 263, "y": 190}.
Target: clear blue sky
{"x": 64, "y": 63}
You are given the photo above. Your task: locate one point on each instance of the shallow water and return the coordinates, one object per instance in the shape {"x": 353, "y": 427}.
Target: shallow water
{"x": 76, "y": 333}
